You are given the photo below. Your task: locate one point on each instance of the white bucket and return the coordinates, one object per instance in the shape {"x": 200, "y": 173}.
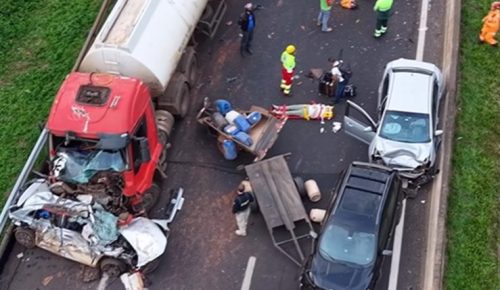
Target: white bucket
{"x": 312, "y": 190}
{"x": 317, "y": 215}
{"x": 231, "y": 115}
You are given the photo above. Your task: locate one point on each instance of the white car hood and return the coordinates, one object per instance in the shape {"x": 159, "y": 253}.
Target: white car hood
{"x": 146, "y": 238}
{"x": 400, "y": 154}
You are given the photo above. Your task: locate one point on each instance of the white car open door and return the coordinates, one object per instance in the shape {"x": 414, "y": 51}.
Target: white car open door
{"x": 363, "y": 130}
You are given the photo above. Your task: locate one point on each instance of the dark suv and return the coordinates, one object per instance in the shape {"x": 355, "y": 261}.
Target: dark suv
{"x": 357, "y": 230}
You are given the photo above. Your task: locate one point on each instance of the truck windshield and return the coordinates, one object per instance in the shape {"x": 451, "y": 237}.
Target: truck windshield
{"x": 405, "y": 127}
{"x": 79, "y": 166}
{"x": 342, "y": 244}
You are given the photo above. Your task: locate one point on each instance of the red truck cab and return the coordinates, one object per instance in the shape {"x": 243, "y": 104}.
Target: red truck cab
{"x": 110, "y": 117}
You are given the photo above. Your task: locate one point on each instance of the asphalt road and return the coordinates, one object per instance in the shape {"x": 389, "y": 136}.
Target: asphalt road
{"x": 203, "y": 252}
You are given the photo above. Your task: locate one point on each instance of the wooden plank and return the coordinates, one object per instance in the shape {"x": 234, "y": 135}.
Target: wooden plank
{"x": 272, "y": 181}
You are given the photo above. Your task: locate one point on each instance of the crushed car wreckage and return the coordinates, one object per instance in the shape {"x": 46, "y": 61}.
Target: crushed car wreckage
{"x": 82, "y": 230}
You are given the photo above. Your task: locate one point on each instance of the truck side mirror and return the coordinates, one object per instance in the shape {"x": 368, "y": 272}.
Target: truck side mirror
{"x": 438, "y": 133}
{"x": 144, "y": 150}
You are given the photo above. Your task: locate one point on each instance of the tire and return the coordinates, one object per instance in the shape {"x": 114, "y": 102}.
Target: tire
{"x": 299, "y": 184}
{"x": 112, "y": 267}
{"x": 151, "y": 266}
{"x": 176, "y": 98}
{"x": 25, "y": 237}
{"x": 151, "y": 197}
{"x": 189, "y": 65}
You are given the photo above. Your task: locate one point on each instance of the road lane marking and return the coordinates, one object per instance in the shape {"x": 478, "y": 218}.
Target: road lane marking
{"x": 248, "y": 273}
{"x": 104, "y": 282}
{"x": 398, "y": 236}
{"x": 396, "y": 249}
{"x": 422, "y": 30}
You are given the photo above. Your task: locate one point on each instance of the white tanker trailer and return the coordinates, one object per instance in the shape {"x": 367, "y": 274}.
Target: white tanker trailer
{"x": 150, "y": 40}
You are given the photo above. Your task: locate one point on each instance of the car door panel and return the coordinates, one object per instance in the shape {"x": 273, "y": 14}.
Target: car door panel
{"x": 364, "y": 132}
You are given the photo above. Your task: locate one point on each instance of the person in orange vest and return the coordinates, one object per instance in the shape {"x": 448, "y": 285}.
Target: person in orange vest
{"x": 287, "y": 68}
{"x": 491, "y": 24}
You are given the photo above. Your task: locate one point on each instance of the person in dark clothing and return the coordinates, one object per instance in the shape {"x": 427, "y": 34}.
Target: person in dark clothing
{"x": 247, "y": 25}
{"x": 241, "y": 209}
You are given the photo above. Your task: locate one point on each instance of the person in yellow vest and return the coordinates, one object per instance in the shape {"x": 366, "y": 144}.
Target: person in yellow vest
{"x": 287, "y": 69}
{"x": 383, "y": 10}
{"x": 491, "y": 24}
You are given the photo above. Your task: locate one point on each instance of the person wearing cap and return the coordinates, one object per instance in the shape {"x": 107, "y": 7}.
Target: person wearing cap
{"x": 491, "y": 25}
{"x": 247, "y": 25}
{"x": 383, "y": 10}
{"x": 324, "y": 14}
{"x": 241, "y": 209}
{"x": 287, "y": 69}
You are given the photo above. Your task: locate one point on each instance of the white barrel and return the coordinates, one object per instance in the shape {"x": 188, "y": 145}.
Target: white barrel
{"x": 231, "y": 115}
{"x": 247, "y": 185}
{"x": 144, "y": 39}
{"x": 312, "y": 190}
{"x": 317, "y": 215}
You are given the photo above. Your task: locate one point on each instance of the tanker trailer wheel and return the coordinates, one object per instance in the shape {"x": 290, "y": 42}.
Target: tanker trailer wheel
{"x": 176, "y": 98}
{"x": 25, "y": 237}
{"x": 150, "y": 197}
{"x": 189, "y": 65}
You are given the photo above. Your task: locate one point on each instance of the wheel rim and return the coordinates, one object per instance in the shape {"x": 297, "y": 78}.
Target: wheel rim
{"x": 24, "y": 238}
{"x": 112, "y": 270}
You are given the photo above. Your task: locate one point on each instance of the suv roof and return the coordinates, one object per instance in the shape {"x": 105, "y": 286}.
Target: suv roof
{"x": 362, "y": 192}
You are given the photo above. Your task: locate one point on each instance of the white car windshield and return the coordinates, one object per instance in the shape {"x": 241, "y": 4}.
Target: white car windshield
{"x": 405, "y": 127}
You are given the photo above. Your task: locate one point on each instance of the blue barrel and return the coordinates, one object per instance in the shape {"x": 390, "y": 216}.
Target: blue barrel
{"x": 229, "y": 150}
{"x": 222, "y": 106}
{"x": 244, "y": 138}
{"x": 242, "y": 123}
{"x": 231, "y": 129}
{"x": 254, "y": 118}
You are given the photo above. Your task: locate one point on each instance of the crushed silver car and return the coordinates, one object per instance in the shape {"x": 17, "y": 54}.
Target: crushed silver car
{"x": 83, "y": 231}
{"x": 406, "y": 136}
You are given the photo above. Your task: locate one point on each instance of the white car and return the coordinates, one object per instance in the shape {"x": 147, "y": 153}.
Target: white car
{"x": 83, "y": 231}
{"x": 405, "y": 136}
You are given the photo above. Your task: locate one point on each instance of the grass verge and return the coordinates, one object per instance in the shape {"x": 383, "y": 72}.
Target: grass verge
{"x": 39, "y": 42}
{"x": 473, "y": 213}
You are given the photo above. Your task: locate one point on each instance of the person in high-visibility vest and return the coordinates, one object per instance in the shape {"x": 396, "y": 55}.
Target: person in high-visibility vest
{"x": 287, "y": 68}
{"x": 383, "y": 10}
{"x": 491, "y": 24}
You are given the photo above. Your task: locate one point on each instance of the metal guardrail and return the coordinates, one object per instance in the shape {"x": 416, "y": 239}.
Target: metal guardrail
{"x": 21, "y": 179}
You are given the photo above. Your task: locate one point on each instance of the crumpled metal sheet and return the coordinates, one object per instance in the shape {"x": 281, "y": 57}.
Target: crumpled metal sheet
{"x": 147, "y": 239}
{"x": 407, "y": 156}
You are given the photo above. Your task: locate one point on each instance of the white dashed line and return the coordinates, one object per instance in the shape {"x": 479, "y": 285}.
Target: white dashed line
{"x": 247, "y": 280}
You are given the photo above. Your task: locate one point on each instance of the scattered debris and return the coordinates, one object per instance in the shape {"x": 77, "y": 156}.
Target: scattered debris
{"x": 422, "y": 201}
{"x": 103, "y": 283}
{"x": 88, "y": 274}
{"x": 20, "y": 255}
{"x": 336, "y": 127}
{"x": 132, "y": 281}
{"x": 231, "y": 79}
{"x": 229, "y": 23}
{"x": 321, "y": 130}
{"x": 47, "y": 280}
{"x": 303, "y": 27}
